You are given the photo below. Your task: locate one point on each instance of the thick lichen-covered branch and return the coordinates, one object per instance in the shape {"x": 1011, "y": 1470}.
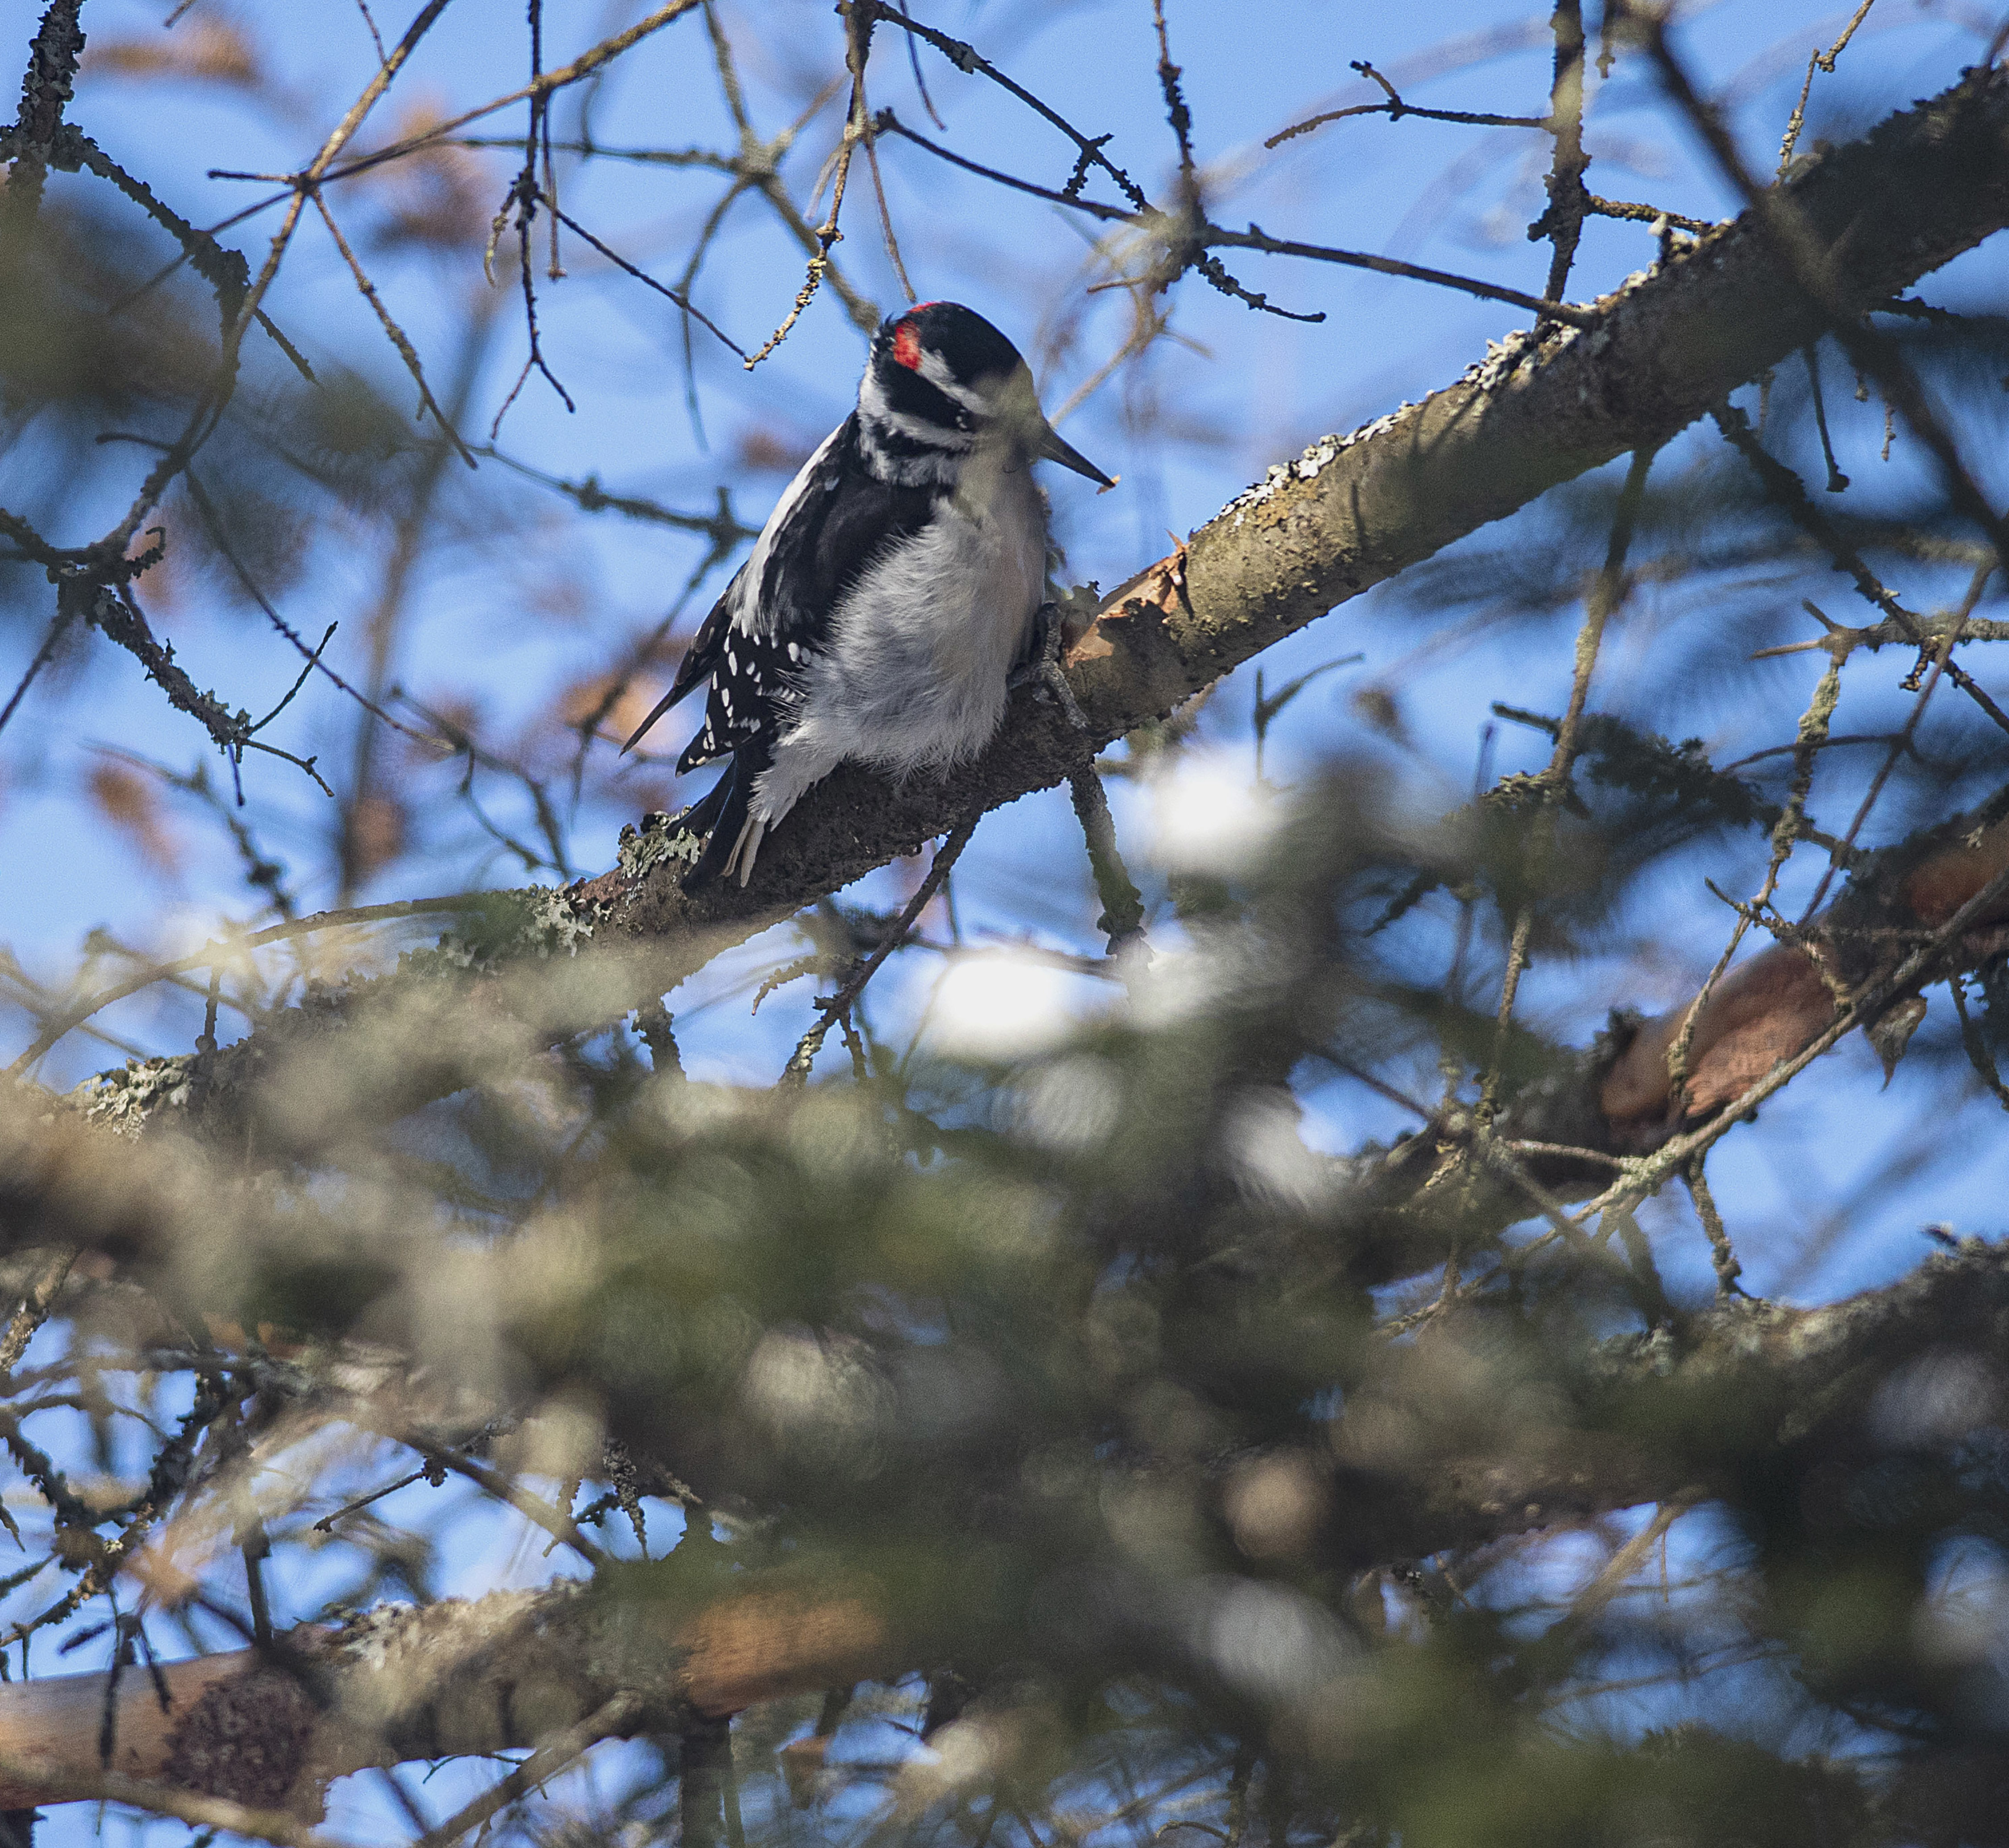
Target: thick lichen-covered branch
{"x": 1352, "y": 511}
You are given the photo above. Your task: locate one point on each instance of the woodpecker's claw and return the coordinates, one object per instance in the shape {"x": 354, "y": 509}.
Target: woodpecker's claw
{"x": 1048, "y": 624}
{"x": 1043, "y": 666}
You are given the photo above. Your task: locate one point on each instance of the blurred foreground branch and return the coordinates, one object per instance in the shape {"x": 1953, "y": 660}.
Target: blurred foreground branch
{"x": 1741, "y": 1388}
{"x": 450, "y": 1680}
{"x": 1915, "y": 914}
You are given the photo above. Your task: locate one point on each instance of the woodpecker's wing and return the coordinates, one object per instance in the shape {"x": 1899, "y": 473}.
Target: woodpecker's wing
{"x": 741, "y": 603}
{"x": 836, "y": 518}
{"x": 699, "y": 659}
{"x": 860, "y": 519}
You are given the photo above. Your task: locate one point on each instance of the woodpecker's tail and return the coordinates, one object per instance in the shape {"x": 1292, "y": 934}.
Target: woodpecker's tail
{"x": 723, "y": 814}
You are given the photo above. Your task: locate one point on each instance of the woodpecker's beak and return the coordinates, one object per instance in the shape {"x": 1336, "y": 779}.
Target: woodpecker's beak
{"x": 1050, "y": 446}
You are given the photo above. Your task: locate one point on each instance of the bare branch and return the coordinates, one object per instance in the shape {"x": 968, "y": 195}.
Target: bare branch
{"x": 550, "y": 1757}
{"x": 52, "y": 61}
{"x": 620, "y": 262}
{"x": 1562, "y": 223}
{"x": 1394, "y": 108}
{"x": 394, "y": 333}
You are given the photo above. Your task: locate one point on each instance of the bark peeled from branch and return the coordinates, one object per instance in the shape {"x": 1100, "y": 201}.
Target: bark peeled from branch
{"x": 1743, "y": 1386}
{"x": 1767, "y": 1009}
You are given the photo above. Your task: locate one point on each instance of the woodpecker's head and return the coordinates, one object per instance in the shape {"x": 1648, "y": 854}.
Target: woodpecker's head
{"x": 942, "y": 380}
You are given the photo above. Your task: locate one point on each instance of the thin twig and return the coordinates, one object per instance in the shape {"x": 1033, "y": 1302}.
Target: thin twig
{"x": 53, "y": 55}
{"x": 590, "y": 497}
{"x": 972, "y": 63}
{"x": 1646, "y": 215}
{"x": 34, "y": 1310}
{"x": 1978, "y": 1055}
{"x": 115, "y": 614}
{"x": 1871, "y": 351}
{"x": 1812, "y": 736}
{"x": 326, "y": 1523}
{"x": 1722, "y": 1254}
{"x": 1255, "y": 238}
{"x": 1819, "y": 60}
{"x": 1650, "y": 1172}
{"x": 857, "y": 16}
{"x": 1606, "y": 594}
{"x": 583, "y": 66}
{"x": 1210, "y": 236}
{"x": 620, "y": 262}
{"x": 203, "y": 958}
{"x": 1562, "y": 222}
{"x": 208, "y": 411}
{"x": 1837, "y": 481}
{"x": 1394, "y": 108}
{"x": 66, "y": 612}
{"x": 550, "y": 1757}
{"x": 393, "y": 332}
{"x": 1610, "y": 1579}
{"x": 554, "y": 1521}
{"x": 212, "y": 524}
{"x": 1122, "y": 919}
{"x": 797, "y": 1070}
{"x": 1783, "y": 486}
{"x": 1902, "y": 743}
{"x": 1177, "y": 114}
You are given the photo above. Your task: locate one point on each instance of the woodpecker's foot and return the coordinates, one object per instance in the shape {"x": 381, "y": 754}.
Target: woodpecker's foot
{"x": 1047, "y": 623}
{"x": 1044, "y": 666}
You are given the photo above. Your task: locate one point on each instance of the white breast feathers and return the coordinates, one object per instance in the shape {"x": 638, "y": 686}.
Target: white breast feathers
{"x": 913, "y": 675}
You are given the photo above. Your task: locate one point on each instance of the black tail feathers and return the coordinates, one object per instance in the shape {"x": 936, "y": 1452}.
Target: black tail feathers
{"x": 721, "y": 814}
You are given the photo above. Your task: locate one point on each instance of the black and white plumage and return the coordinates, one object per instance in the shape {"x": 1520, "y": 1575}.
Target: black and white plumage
{"x": 890, "y": 593}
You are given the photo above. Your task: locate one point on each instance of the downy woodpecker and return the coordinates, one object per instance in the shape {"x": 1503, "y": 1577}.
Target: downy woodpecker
{"x": 891, "y": 591}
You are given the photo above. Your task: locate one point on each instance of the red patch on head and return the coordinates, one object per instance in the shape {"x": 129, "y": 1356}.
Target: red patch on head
{"x": 907, "y": 346}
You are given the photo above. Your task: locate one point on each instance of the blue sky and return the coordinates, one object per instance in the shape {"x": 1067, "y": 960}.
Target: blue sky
{"x": 505, "y": 616}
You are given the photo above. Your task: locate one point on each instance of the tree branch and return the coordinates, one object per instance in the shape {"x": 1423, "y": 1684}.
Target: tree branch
{"x": 45, "y": 90}
{"x": 258, "y": 1728}
{"x": 1354, "y": 511}
{"x": 1350, "y": 512}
